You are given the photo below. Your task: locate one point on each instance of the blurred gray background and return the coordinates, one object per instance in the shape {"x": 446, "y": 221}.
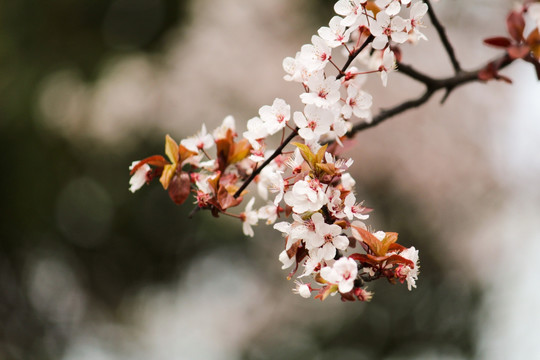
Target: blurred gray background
{"x": 90, "y": 271}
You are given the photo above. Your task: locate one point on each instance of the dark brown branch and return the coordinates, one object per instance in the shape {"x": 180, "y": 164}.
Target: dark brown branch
{"x": 432, "y": 86}
{"x": 444, "y": 38}
{"x": 354, "y": 55}
{"x": 266, "y": 162}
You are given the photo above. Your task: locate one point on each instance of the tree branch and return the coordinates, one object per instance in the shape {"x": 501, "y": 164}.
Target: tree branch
{"x": 265, "y": 163}
{"x": 432, "y": 86}
{"x": 291, "y": 136}
{"x": 353, "y": 56}
{"x": 444, "y": 38}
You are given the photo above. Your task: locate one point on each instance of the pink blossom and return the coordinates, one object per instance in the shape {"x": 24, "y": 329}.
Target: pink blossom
{"x": 343, "y": 273}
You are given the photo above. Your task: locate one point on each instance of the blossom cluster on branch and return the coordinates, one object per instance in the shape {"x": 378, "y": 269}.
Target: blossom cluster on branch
{"x": 308, "y": 185}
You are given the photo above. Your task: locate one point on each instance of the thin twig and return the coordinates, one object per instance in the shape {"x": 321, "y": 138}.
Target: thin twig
{"x": 353, "y": 56}
{"x": 265, "y": 163}
{"x": 444, "y": 38}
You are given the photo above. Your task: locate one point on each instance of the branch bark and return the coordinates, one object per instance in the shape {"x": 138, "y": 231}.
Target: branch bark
{"x": 444, "y": 38}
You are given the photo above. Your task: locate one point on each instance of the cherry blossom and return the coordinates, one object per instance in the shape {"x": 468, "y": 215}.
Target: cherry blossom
{"x": 201, "y": 141}
{"x": 391, "y": 7}
{"x": 314, "y": 193}
{"x": 316, "y": 55}
{"x": 350, "y": 9}
{"x": 138, "y": 179}
{"x": 249, "y": 218}
{"x": 334, "y": 35}
{"x": 269, "y": 213}
{"x": 343, "y": 273}
{"x": 286, "y": 260}
{"x": 323, "y": 92}
{"x": 275, "y": 117}
{"x": 358, "y": 102}
{"x": 313, "y": 123}
{"x": 418, "y": 10}
{"x": 327, "y": 238}
{"x": 306, "y": 195}
{"x": 304, "y": 290}
{"x": 256, "y": 130}
{"x": 387, "y": 65}
{"x": 386, "y": 28}
{"x": 407, "y": 273}
{"x": 221, "y": 131}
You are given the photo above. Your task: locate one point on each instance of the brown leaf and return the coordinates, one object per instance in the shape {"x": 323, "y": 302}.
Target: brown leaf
{"x": 239, "y": 152}
{"x": 498, "y": 41}
{"x": 518, "y": 51}
{"x": 227, "y": 200}
{"x": 515, "y": 24}
{"x": 156, "y": 160}
{"x": 374, "y": 244}
{"x": 179, "y": 187}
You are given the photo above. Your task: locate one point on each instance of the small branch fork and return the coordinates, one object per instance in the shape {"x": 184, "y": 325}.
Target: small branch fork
{"x": 432, "y": 85}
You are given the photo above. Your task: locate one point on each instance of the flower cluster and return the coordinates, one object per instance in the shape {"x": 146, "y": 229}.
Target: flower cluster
{"x": 309, "y": 184}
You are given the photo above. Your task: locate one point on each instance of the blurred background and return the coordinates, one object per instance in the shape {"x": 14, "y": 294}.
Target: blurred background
{"x": 90, "y": 271}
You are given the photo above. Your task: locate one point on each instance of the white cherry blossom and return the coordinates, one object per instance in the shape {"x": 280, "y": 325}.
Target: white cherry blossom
{"x": 353, "y": 210}
{"x": 201, "y": 141}
{"x": 343, "y": 273}
{"x": 347, "y": 181}
{"x": 358, "y": 102}
{"x": 275, "y": 117}
{"x": 221, "y": 131}
{"x": 350, "y": 9}
{"x": 385, "y": 62}
{"x": 296, "y": 230}
{"x": 335, "y": 34}
{"x": 391, "y": 7}
{"x": 418, "y": 10}
{"x": 302, "y": 289}
{"x": 256, "y": 130}
{"x": 286, "y": 260}
{"x": 306, "y": 195}
{"x": 316, "y": 55}
{"x": 313, "y": 122}
{"x": 138, "y": 179}
{"x": 269, "y": 213}
{"x": 323, "y": 92}
{"x": 328, "y": 236}
{"x": 386, "y": 28}
{"x": 249, "y": 218}
{"x": 411, "y": 275}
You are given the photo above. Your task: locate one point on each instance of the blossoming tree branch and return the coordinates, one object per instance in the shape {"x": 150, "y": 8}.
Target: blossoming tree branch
{"x": 303, "y": 182}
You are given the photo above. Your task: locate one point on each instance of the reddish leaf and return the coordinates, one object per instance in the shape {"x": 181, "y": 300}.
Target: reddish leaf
{"x": 371, "y": 241}
{"x": 156, "y": 160}
{"x": 179, "y": 187}
{"x": 239, "y": 151}
{"x": 499, "y": 41}
{"x": 293, "y": 249}
{"x": 518, "y": 51}
{"x": 515, "y": 24}
{"x": 227, "y": 200}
